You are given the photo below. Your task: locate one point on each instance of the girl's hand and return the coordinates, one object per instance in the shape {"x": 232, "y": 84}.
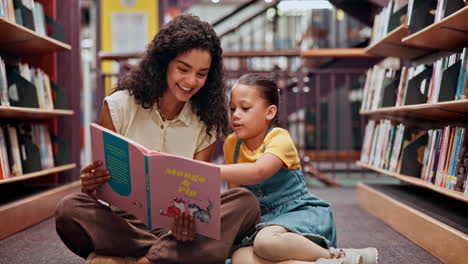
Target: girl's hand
{"x": 92, "y": 178}
{"x": 183, "y": 228}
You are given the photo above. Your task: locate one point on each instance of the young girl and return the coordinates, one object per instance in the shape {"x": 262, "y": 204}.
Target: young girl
{"x": 295, "y": 226}
{"x": 173, "y": 101}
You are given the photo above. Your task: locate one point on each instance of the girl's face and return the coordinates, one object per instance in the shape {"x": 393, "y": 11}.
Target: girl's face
{"x": 187, "y": 73}
{"x": 250, "y": 114}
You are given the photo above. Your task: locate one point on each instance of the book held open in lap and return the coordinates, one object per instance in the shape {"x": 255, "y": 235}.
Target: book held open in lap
{"x": 154, "y": 186}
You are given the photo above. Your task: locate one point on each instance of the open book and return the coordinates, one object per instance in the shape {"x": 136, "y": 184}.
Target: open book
{"x": 154, "y": 186}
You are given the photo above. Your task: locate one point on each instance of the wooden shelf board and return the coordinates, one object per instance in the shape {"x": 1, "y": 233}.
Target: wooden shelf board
{"x": 437, "y": 111}
{"x": 416, "y": 225}
{"x": 19, "y": 40}
{"x": 21, "y": 214}
{"x": 396, "y": 35}
{"x": 31, "y": 113}
{"x": 419, "y": 182}
{"x": 337, "y": 53}
{"x": 39, "y": 173}
{"x": 451, "y": 33}
{"x": 330, "y": 155}
{"x": 262, "y": 53}
{"x": 391, "y": 45}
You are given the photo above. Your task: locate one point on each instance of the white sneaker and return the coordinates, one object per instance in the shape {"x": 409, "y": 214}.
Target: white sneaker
{"x": 369, "y": 255}
{"x": 349, "y": 257}
{"x": 96, "y": 259}
{"x": 341, "y": 257}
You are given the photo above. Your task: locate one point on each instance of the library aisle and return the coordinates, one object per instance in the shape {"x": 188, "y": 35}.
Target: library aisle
{"x": 356, "y": 228}
{"x": 374, "y": 97}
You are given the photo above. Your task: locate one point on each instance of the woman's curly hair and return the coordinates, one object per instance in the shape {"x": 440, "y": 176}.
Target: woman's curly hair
{"x": 147, "y": 81}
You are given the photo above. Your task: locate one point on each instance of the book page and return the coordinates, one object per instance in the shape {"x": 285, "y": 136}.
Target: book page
{"x": 127, "y": 187}
{"x": 180, "y": 185}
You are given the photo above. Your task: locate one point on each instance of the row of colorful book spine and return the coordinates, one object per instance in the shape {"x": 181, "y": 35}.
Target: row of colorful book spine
{"x": 445, "y": 80}
{"x": 438, "y": 156}
{"x": 24, "y": 148}
{"x": 417, "y": 14}
{"x": 27, "y": 13}
{"x": 11, "y": 89}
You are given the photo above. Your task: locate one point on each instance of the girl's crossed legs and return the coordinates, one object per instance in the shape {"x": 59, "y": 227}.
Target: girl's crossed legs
{"x": 276, "y": 245}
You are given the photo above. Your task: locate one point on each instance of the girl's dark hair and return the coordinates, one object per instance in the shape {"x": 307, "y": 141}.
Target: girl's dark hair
{"x": 147, "y": 81}
{"x": 267, "y": 87}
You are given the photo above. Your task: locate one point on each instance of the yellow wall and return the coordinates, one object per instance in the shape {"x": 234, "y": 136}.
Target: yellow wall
{"x": 107, "y": 7}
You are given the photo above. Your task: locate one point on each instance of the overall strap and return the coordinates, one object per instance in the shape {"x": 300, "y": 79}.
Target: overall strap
{"x": 239, "y": 142}
{"x": 269, "y": 130}
{"x": 236, "y": 152}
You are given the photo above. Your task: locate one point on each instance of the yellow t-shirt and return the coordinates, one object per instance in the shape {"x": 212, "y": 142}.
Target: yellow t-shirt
{"x": 277, "y": 142}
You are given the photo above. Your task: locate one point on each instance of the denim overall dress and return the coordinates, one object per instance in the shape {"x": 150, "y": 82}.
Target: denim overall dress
{"x": 285, "y": 201}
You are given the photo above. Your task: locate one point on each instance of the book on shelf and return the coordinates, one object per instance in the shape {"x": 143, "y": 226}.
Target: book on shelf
{"x": 13, "y": 147}
{"x": 402, "y": 83}
{"x": 430, "y": 154}
{"x": 156, "y": 187}
{"x": 24, "y": 13}
{"x": 30, "y": 14}
{"x": 36, "y": 147}
{"x": 39, "y": 18}
{"x": 444, "y": 80}
{"x": 412, "y": 154}
{"x": 4, "y": 161}
{"x": 462, "y": 84}
{"x": 26, "y": 148}
{"x": 25, "y": 86}
{"x": 381, "y": 22}
{"x": 390, "y": 17}
{"x": 390, "y": 88}
{"x": 421, "y": 14}
{"x": 7, "y": 11}
{"x": 460, "y": 169}
{"x": 436, "y": 155}
{"x": 447, "y": 7}
{"x": 30, "y": 153}
{"x": 417, "y": 86}
{"x": 398, "y": 15}
{"x": 396, "y": 148}
{"x": 4, "y": 97}
{"x": 366, "y": 145}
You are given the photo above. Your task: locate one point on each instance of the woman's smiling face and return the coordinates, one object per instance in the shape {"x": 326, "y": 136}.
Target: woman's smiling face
{"x": 187, "y": 73}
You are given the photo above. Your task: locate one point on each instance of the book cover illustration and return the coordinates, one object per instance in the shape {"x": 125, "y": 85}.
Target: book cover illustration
{"x": 156, "y": 187}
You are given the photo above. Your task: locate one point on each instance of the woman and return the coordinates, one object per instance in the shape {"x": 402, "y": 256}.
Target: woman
{"x": 173, "y": 101}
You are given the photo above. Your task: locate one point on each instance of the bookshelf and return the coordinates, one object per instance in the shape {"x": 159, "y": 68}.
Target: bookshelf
{"x": 18, "y": 40}
{"x": 428, "y": 159}
{"x": 453, "y": 28}
{"x": 30, "y": 197}
{"x": 392, "y": 46}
